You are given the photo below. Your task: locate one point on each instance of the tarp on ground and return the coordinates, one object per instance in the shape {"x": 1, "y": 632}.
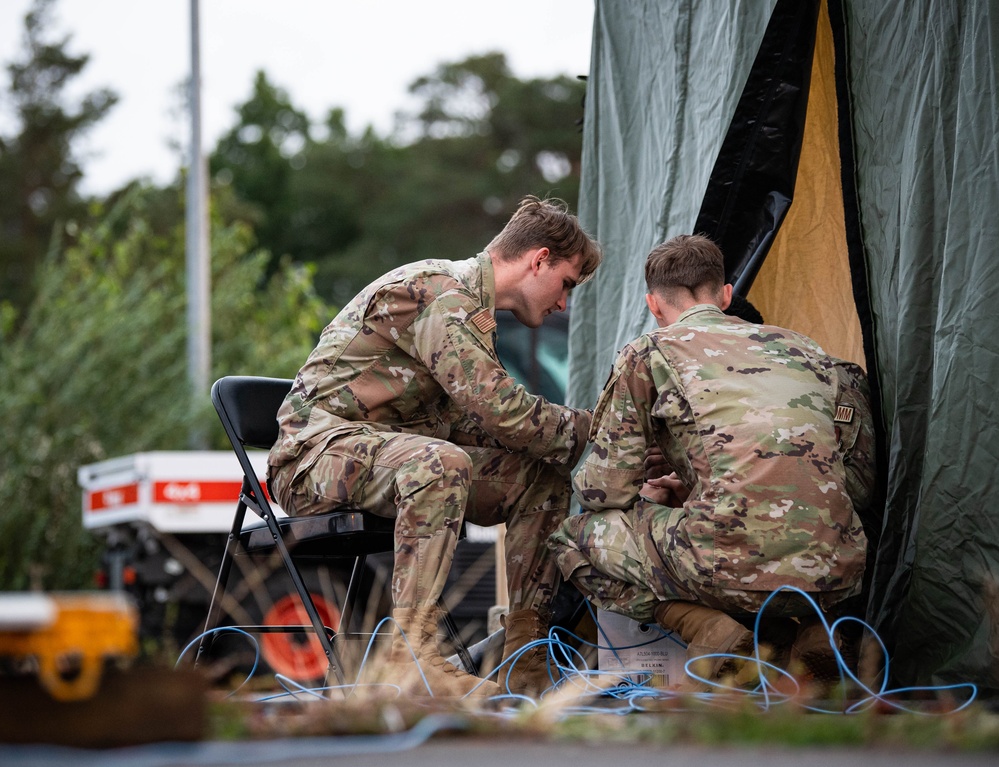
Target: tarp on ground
{"x": 899, "y": 171}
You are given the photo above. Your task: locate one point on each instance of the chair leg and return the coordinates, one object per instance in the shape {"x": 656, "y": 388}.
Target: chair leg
{"x": 215, "y": 606}
{"x": 350, "y": 598}
{"x": 319, "y": 628}
{"x": 459, "y": 646}
{"x": 332, "y": 656}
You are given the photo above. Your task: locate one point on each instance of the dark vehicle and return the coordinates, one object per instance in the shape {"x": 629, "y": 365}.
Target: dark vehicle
{"x": 537, "y": 357}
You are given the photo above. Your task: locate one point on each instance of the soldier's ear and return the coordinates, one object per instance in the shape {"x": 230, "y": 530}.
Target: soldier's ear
{"x": 726, "y": 296}
{"x": 652, "y": 301}
{"x": 539, "y": 257}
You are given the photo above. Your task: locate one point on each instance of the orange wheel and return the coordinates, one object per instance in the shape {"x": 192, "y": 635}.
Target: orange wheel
{"x": 299, "y": 656}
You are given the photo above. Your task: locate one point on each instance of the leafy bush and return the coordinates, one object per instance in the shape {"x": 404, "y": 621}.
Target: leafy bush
{"x": 98, "y": 368}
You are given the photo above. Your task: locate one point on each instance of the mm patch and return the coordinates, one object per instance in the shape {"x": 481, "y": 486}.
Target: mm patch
{"x": 484, "y": 321}
{"x": 844, "y": 414}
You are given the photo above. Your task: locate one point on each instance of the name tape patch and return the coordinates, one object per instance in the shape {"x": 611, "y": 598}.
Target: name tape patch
{"x": 844, "y": 414}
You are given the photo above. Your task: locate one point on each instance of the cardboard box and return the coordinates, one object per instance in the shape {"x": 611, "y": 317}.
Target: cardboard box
{"x": 639, "y": 650}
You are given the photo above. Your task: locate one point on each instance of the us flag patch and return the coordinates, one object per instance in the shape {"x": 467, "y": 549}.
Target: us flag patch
{"x": 484, "y": 321}
{"x": 844, "y": 414}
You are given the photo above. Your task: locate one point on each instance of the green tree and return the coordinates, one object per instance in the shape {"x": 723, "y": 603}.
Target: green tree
{"x": 257, "y": 158}
{"x": 449, "y": 178}
{"x": 39, "y": 172}
{"x": 530, "y": 129}
{"x": 98, "y": 369}
{"x": 439, "y": 187}
{"x": 333, "y": 193}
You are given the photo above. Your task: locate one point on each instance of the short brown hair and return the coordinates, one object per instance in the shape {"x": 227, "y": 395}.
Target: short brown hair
{"x": 690, "y": 261}
{"x": 548, "y": 224}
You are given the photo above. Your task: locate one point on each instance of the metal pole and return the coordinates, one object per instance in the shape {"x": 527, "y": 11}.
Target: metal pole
{"x": 199, "y": 321}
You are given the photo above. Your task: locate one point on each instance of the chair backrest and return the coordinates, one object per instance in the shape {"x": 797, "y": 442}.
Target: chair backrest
{"x": 248, "y": 408}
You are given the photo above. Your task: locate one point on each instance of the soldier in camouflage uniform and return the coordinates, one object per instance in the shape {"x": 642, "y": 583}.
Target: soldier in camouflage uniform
{"x": 404, "y": 410}
{"x": 769, "y": 442}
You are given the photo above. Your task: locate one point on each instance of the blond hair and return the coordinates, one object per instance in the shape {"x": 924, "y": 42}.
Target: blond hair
{"x": 548, "y": 224}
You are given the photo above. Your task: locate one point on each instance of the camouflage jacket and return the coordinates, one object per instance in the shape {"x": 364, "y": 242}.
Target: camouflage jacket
{"x": 774, "y": 437}
{"x": 414, "y": 352}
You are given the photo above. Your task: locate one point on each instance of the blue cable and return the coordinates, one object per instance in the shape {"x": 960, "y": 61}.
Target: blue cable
{"x": 632, "y": 687}
{"x": 222, "y": 630}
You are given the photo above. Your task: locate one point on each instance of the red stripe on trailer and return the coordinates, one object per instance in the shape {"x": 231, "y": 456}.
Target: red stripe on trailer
{"x": 113, "y": 497}
{"x": 178, "y": 491}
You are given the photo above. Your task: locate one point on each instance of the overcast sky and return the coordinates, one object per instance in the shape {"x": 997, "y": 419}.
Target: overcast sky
{"x": 359, "y": 55}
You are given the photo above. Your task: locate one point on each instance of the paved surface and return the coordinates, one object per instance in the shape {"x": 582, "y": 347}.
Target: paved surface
{"x": 456, "y": 752}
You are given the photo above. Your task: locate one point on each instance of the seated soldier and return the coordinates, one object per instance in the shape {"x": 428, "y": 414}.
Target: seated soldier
{"x": 404, "y": 410}
{"x": 766, "y": 451}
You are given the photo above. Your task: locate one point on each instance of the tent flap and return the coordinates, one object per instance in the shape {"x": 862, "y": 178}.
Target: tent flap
{"x": 752, "y": 182}
{"x": 894, "y": 205}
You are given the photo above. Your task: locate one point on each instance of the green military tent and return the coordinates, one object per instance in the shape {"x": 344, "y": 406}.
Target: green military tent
{"x": 845, "y": 153}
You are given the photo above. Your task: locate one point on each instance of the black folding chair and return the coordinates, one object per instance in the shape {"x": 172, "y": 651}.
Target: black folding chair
{"x": 247, "y": 407}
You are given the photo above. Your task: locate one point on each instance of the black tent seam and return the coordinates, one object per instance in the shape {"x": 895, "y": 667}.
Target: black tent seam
{"x": 857, "y": 258}
{"x": 759, "y": 125}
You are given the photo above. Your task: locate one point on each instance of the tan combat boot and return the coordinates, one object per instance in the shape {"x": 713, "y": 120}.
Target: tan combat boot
{"x": 706, "y": 632}
{"x": 530, "y": 673}
{"x": 813, "y": 653}
{"x": 418, "y": 652}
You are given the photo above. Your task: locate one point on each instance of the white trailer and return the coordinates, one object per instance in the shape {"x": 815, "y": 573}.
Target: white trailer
{"x": 164, "y": 517}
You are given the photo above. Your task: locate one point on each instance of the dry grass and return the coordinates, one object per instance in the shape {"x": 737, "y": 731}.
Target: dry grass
{"x": 791, "y": 715}
{"x": 670, "y": 721}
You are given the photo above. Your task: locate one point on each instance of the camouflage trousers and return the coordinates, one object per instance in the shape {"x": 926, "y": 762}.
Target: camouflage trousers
{"x": 429, "y": 486}
{"x": 626, "y": 562}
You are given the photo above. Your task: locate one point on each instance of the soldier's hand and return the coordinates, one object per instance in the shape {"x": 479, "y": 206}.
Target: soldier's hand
{"x": 655, "y": 463}
{"x": 666, "y": 491}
